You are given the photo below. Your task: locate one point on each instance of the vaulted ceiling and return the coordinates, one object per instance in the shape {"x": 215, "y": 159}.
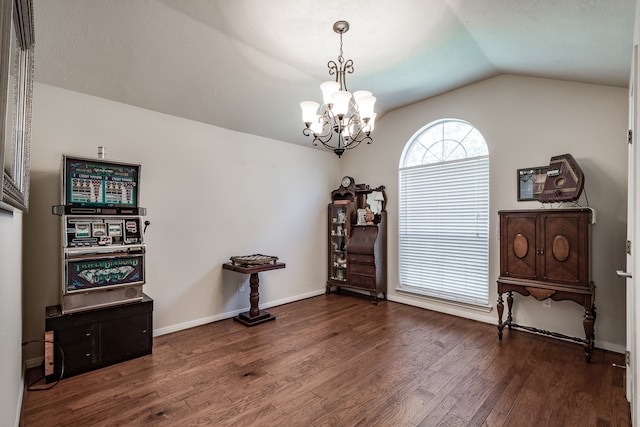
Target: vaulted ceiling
{"x": 246, "y": 64}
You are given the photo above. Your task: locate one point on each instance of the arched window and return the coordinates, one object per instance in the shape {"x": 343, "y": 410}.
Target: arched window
{"x": 444, "y": 213}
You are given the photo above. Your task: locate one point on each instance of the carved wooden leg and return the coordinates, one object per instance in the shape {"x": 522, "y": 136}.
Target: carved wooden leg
{"x": 510, "y": 307}
{"x": 328, "y": 290}
{"x": 254, "y": 316}
{"x": 254, "y": 296}
{"x": 500, "y": 308}
{"x": 593, "y": 333}
{"x": 588, "y": 324}
{"x": 374, "y": 297}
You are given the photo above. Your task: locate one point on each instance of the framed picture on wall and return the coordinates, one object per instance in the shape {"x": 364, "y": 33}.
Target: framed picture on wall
{"x": 531, "y": 182}
{"x": 16, "y": 93}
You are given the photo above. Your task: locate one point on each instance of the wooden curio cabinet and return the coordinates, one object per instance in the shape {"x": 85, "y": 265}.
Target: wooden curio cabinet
{"x": 545, "y": 253}
{"x": 339, "y": 230}
{"x": 357, "y": 253}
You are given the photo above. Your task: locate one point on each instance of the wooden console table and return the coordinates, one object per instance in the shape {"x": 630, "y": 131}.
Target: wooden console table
{"x": 254, "y": 316}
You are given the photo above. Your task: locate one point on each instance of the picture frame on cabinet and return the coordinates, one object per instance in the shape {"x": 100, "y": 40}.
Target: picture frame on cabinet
{"x": 531, "y": 182}
{"x": 16, "y": 94}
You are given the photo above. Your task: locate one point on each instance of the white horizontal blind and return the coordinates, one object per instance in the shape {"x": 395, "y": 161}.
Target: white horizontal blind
{"x": 444, "y": 230}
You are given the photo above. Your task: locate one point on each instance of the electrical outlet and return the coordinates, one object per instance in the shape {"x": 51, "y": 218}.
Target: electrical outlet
{"x": 546, "y": 303}
{"x": 241, "y": 288}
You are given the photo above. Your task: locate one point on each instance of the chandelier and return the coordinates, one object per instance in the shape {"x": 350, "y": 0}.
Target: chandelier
{"x": 344, "y": 120}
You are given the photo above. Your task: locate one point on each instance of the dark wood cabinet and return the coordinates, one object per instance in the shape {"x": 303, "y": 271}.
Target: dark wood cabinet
{"x": 545, "y": 253}
{"x": 366, "y": 259}
{"x": 357, "y": 253}
{"x": 97, "y": 338}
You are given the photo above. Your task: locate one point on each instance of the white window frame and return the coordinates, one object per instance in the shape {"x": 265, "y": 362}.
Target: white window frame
{"x": 443, "y": 251}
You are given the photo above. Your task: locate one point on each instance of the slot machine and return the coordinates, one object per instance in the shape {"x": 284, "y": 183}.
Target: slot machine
{"x": 102, "y": 240}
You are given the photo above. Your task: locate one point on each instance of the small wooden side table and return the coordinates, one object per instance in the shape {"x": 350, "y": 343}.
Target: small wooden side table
{"x": 254, "y": 316}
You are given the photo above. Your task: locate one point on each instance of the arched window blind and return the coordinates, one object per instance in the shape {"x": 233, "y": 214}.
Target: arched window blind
{"x": 444, "y": 213}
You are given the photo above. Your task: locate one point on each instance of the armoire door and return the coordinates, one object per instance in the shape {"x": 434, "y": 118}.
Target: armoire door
{"x": 564, "y": 250}
{"x": 518, "y": 252}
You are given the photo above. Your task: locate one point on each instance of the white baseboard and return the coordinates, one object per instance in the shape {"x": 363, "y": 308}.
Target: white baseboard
{"x": 469, "y": 314}
{"x": 479, "y": 314}
{"x": 616, "y": 348}
{"x": 228, "y": 315}
{"x": 33, "y": 363}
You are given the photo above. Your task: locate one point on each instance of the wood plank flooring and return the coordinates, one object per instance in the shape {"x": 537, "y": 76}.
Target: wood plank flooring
{"x": 337, "y": 360}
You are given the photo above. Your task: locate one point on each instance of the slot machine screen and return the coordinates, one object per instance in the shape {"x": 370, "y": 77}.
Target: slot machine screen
{"x": 99, "y": 183}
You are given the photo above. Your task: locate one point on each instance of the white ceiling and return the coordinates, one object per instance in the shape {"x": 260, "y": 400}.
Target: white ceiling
{"x": 246, "y": 64}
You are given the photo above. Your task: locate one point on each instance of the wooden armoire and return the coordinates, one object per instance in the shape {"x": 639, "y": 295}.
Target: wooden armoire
{"x": 545, "y": 253}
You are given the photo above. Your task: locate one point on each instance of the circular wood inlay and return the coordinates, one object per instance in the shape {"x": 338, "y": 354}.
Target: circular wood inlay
{"x": 560, "y": 248}
{"x": 520, "y": 245}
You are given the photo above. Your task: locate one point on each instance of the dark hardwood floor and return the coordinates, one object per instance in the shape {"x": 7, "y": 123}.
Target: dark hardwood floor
{"x": 337, "y": 360}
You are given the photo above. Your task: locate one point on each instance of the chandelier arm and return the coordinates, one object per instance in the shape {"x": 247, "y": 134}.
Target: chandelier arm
{"x": 333, "y": 69}
{"x": 359, "y": 138}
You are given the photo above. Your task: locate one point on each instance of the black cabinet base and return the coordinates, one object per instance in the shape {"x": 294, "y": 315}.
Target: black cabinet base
{"x": 97, "y": 338}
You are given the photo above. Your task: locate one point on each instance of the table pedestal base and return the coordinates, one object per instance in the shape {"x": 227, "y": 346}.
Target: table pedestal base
{"x": 247, "y": 320}
{"x": 254, "y": 316}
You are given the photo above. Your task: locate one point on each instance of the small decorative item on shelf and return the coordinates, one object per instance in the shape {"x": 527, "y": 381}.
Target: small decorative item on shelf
{"x": 368, "y": 215}
{"x": 362, "y": 217}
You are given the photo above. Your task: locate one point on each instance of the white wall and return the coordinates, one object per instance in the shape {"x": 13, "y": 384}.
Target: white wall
{"x": 10, "y": 317}
{"x": 526, "y": 121}
{"x": 211, "y": 193}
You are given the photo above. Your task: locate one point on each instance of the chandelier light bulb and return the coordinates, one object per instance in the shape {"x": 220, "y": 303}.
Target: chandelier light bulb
{"x": 360, "y": 94}
{"x": 341, "y": 102}
{"x": 371, "y": 123}
{"x": 328, "y": 90}
{"x": 365, "y": 106}
{"x": 317, "y": 125}
{"x": 309, "y": 111}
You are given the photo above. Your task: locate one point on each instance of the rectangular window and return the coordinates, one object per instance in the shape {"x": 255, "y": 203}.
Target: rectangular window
{"x": 444, "y": 230}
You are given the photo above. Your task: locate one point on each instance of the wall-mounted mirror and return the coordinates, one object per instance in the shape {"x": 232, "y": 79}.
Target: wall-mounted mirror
{"x": 16, "y": 92}
{"x": 376, "y": 200}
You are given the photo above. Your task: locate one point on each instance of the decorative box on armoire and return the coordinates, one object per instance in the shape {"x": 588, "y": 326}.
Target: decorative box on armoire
{"x": 545, "y": 253}
{"x": 357, "y": 253}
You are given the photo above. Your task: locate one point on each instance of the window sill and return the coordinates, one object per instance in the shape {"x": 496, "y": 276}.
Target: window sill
{"x": 420, "y": 295}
